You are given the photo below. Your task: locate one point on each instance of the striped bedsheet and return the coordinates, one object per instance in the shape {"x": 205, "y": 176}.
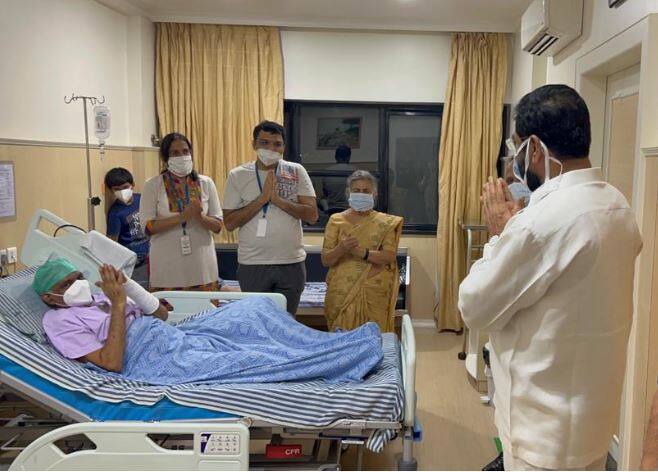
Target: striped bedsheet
{"x": 313, "y": 405}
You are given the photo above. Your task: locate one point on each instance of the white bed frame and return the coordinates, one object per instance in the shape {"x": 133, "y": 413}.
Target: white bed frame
{"x": 126, "y": 445}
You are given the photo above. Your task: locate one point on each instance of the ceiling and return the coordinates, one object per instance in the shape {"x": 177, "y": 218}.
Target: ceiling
{"x": 406, "y": 15}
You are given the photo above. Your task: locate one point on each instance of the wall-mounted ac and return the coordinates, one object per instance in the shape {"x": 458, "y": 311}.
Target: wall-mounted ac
{"x": 548, "y": 26}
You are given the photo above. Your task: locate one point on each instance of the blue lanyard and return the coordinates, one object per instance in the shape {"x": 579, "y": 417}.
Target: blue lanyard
{"x": 260, "y": 186}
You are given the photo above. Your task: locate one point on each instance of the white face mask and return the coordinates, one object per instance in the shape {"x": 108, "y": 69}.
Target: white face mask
{"x": 547, "y": 159}
{"x": 268, "y": 157}
{"x": 124, "y": 195}
{"x": 180, "y": 166}
{"x": 519, "y": 191}
{"x": 78, "y": 294}
{"x": 361, "y": 201}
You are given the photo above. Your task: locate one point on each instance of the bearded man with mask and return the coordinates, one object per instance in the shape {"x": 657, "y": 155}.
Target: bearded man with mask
{"x": 267, "y": 199}
{"x": 554, "y": 290}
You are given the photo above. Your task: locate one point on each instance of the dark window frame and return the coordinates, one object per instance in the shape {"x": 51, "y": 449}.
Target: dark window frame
{"x": 386, "y": 110}
{"x": 435, "y": 110}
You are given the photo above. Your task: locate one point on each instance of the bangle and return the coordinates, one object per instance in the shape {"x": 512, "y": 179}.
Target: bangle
{"x": 365, "y": 257}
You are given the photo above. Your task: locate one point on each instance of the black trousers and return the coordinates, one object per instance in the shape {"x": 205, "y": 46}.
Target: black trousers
{"x": 286, "y": 279}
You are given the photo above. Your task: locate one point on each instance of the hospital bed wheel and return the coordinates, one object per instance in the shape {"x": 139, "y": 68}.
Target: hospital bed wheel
{"x": 461, "y": 356}
{"x": 407, "y": 465}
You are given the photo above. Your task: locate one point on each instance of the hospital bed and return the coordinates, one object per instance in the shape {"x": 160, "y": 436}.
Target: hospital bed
{"x": 100, "y": 421}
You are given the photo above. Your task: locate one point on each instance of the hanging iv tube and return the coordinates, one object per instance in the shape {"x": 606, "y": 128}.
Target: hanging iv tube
{"x": 92, "y": 201}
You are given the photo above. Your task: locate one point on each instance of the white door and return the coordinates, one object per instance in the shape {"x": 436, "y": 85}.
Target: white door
{"x": 620, "y": 147}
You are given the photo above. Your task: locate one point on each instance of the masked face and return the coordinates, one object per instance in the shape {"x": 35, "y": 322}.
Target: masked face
{"x": 522, "y": 172}
{"x": 125, "y": 195}
{"x": 361, "y": 201}
{"x": 519, "y": 191}
{"x": 78, "y": 294}
{"x": 269, "y": 147}
{"x": 267, "y": 157}
{"x": 180, "y": 166}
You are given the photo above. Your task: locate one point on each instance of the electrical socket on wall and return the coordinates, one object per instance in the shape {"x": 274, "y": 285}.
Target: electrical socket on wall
{"x": 12, "y": 255}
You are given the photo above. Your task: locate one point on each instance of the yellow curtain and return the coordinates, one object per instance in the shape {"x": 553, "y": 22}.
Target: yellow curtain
{"x": 470, "y": 143}
{"x": 214, "y": 83}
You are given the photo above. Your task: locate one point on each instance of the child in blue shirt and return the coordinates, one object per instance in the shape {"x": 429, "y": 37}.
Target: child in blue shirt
{"x": 123, "y": 224}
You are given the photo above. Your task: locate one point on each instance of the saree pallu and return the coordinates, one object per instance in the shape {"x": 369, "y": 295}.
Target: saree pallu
{"x": 354, "y": 297}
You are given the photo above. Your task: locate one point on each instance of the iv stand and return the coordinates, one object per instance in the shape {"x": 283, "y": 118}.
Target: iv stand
{"x": 92, "y": 201}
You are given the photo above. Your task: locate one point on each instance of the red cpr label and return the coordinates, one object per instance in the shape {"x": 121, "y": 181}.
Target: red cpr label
{"x": 284, "y": 451}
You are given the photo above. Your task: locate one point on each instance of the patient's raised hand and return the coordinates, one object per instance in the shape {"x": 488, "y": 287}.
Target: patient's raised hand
{"x": 112, "y": 285}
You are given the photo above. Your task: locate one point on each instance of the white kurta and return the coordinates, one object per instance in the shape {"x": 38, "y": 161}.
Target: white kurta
{"x": 555, "y": 292}
{"x": 169, "y": 268}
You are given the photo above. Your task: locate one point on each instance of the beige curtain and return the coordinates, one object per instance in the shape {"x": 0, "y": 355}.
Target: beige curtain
{"x": 470, "y": 143}
{"x": 214, "y": 83}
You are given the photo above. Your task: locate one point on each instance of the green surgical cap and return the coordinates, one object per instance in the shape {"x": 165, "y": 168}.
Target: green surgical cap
{"x": 50, "y": 273}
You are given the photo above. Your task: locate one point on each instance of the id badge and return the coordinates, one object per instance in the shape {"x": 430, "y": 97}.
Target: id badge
{"x": 185, "y": 245}
{"x": 262, "y": 228}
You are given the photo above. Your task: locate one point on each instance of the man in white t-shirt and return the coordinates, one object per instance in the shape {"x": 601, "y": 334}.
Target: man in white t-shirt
{"x": 268, "y": 199}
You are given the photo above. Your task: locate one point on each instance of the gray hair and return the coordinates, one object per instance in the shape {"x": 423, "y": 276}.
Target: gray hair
{"x": 360, "y": 175}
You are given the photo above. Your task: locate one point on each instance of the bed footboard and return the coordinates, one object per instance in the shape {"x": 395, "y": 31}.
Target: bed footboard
{"x": 129, "y": 446}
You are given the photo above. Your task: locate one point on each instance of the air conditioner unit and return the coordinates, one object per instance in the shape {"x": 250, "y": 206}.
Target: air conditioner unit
{"x": 548, "y": 26}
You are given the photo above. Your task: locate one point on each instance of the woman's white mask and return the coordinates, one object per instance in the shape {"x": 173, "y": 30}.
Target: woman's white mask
{"x": 180, "y": 166}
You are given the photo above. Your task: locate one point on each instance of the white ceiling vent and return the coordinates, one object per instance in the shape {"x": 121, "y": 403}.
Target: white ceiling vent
{"x": 548, "y": 26}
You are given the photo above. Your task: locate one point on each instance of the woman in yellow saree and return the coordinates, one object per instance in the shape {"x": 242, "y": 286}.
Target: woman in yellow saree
{"x": 360, "y": 246}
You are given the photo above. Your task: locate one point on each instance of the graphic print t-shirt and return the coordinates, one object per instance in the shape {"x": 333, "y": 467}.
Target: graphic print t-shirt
{"x": 282, "y": 243}
{"x": 123, "y": 220}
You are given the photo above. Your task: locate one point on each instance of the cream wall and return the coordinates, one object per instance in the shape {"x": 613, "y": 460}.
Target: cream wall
{"x": 528, "y": 72}
{"x": 365, "y": 66}
{"x": 52, "y": 48}
{"x": 141, "y": 80}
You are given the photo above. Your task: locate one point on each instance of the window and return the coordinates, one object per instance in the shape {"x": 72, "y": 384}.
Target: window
{"x": 413, "y": 173}
{"x": 397, "y": 143}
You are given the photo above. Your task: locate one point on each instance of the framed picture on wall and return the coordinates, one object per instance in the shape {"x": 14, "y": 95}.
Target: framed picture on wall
{"x": 334, "y": 132}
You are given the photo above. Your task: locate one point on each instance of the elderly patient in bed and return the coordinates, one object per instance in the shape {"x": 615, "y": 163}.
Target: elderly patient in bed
{"x": 123, "y": 330}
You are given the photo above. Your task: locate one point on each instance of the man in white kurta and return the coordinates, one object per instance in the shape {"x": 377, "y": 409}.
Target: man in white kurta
{"x": 554, "y": 290}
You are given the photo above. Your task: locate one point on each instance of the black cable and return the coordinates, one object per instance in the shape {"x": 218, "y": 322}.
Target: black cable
{"x": 67, "y": 226}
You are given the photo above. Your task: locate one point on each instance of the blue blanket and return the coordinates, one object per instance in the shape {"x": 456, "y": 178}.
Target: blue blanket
{"x": 250, "y": 341}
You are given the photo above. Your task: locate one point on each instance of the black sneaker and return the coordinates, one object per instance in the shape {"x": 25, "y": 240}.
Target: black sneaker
{"x": 496, "y": 464}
